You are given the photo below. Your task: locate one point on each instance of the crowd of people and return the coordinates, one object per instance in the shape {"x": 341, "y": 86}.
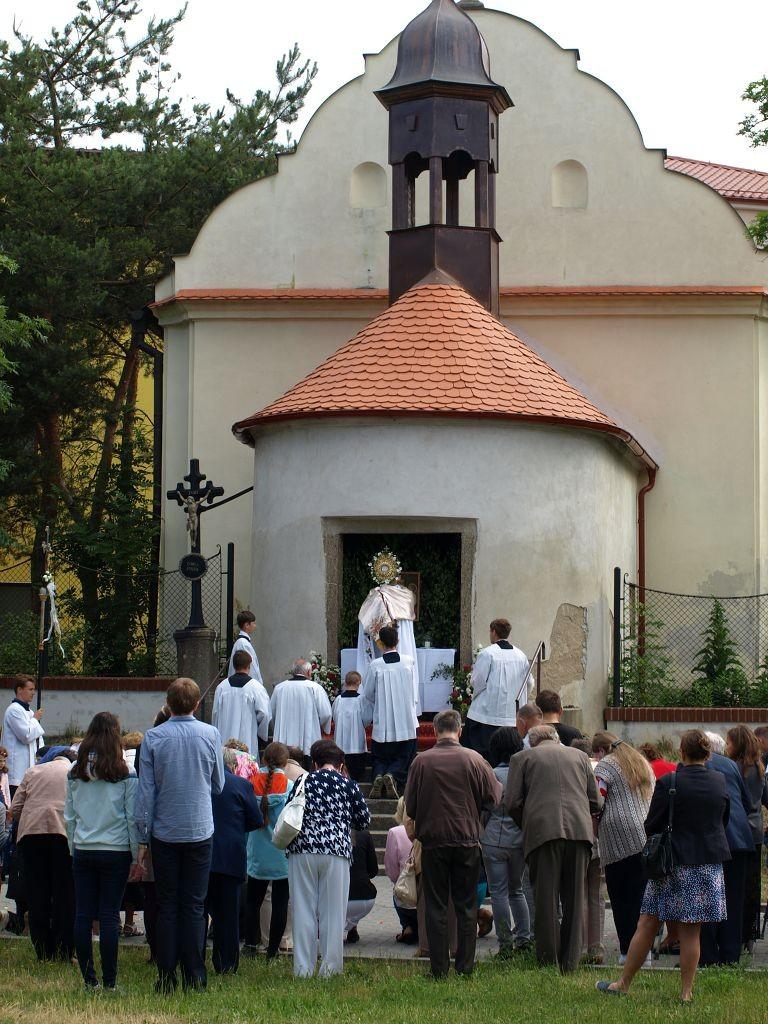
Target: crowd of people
{"x": 253, "y": 832}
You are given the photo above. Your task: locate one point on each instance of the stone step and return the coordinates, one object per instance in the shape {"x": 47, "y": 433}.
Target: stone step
{"x": 382, "y": 806}
{"x": 381, "y": 822}
{"x": 379, "y": 837}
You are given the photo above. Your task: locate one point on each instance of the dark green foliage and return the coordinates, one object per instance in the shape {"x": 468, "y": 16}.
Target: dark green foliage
{"x": 644, "y": 662}
{"x": 16, "y": 335}
{"x": 722, "y": 681}
{"x": 436, "y": 556}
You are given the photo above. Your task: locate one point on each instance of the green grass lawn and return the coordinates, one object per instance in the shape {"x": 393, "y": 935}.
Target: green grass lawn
{"x": 375, "y": 992}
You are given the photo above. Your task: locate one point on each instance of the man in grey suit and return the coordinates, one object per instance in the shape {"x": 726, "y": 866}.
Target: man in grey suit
{"x": 552, "y": 795}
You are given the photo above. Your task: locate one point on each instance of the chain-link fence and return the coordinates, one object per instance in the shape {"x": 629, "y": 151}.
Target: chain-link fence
{"x": 174, "y": 599}
{"x": 685, "y": 650}
{"x": 127, "y": 630}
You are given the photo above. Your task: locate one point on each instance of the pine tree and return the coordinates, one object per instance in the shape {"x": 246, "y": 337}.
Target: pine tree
{"x": 93, "y": 228}
{"x": 645, "y": 667}
{"x": 721, "y": 676}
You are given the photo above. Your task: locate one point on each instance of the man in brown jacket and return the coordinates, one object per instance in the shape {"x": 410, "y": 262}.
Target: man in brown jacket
{"x": 448, "y": 789}
{"x": 551, "y": 794}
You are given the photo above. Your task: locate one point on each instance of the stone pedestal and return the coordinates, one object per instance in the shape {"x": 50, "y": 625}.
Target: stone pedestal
{"x": 573, "y": 716}
{"x": 197, "y": 658}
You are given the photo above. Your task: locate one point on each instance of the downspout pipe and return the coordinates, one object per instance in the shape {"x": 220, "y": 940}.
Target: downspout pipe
{"x": 641, "y": 555}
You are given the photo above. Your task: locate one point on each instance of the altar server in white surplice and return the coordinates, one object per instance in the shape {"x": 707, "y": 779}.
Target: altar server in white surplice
{"x": 499, "y": 683}
{"x": 390, "y": 686}
{"x": 22, "y": 733}
{"x": 301, "y": 710}
{"x": 351, "y": 714}
{"x": 246, "y": 623}
{"x": 241, "y": 709}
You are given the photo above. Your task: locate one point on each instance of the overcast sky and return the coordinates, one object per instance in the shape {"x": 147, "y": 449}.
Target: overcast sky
{"x": 681, "y": 65}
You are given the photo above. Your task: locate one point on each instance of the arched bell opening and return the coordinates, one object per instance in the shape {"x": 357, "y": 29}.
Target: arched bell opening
{"x": 456, "y": 168}
{"x": 404, "y": 176}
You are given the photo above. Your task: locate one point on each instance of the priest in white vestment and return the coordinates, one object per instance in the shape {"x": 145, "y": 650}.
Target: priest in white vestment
{"x": 500, "y": 680}
{"x": 301, "y": 711}
{"x": 387, "y": 604}
{"x": 351, "y": 713}
{"x": 390, "y": 686}
{"x": 246, "y": 623}
{"x": 241, "y": 708}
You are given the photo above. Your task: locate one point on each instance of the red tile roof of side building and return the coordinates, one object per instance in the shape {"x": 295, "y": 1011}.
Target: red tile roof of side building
{"x": 733, "y": 183}
{"x": 437, "y": 352}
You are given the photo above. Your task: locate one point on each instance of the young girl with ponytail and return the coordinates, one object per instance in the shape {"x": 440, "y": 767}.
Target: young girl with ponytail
{"x": 267, "y": 865}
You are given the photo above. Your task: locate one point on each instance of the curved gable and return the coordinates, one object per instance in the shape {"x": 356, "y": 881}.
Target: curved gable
{"x": 641, "y": 224}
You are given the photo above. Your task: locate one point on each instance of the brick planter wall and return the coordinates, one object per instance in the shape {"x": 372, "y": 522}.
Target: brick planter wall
{"x": 641, "y": 725}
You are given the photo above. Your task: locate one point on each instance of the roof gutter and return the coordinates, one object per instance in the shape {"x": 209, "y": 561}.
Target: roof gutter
{"x": 245, "y": 429}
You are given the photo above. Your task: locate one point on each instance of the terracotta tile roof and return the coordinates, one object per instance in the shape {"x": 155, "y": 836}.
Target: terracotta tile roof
{"x": 630, "y": 290}
{"x": 519, "y": 291}
{"x": 734, "y": 183}
{"x": 436, "y": 351}
{"x": 270, "y": 295}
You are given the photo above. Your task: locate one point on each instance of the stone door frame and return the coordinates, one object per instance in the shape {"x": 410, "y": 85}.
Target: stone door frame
{"x": 334, "y": 528}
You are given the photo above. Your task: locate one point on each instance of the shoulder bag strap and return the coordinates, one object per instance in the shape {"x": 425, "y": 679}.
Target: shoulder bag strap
{"x": 672, "y": 791}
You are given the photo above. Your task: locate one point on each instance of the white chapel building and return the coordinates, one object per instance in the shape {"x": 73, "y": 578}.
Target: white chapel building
{"x": 472, "y": 302}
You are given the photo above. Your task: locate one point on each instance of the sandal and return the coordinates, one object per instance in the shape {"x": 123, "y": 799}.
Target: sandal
{"x": 604, "y": 987}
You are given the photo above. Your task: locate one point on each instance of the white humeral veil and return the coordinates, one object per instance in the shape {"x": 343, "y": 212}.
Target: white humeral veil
{"x": 385, "y": 604}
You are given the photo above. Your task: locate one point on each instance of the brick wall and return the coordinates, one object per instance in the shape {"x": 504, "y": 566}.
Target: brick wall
{"x": 69, "y": 702}
{"x": 648, "y": 725}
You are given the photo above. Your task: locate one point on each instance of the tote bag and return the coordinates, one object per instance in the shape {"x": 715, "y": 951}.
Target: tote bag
{"x": 291, "y": 818}
{"x": 405, "y": 886}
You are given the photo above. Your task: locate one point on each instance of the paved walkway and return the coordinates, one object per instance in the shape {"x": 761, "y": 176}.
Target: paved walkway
{"x": 378, "y": 930}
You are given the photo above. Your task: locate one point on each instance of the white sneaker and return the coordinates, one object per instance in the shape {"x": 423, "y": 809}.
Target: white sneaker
{"x": 647, "y": 962}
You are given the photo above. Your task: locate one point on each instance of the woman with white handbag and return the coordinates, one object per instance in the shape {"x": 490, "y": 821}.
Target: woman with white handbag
{"x": 315, "y": 823}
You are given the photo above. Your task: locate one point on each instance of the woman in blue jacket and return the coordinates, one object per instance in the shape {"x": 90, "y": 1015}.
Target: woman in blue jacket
{"x": 268, "y": 865}
{"x": 98, "y": 816}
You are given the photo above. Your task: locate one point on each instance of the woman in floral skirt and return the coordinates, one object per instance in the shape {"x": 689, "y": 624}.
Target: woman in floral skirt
{"x": 695, "y": 892}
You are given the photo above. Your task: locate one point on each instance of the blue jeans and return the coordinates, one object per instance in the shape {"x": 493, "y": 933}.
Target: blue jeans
{"x": 100, "y": 877}
{"x": 408, "y": 918}
{"x": 504, "y": 870}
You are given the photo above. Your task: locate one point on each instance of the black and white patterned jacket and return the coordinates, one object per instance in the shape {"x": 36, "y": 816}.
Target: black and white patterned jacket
{"x": 334, "y": 805}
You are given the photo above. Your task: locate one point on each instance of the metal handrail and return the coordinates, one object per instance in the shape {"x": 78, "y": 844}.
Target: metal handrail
{"x": 539, "y": 655}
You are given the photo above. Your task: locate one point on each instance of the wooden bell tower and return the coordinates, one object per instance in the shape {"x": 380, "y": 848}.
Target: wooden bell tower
{"x": 443, "y": 121}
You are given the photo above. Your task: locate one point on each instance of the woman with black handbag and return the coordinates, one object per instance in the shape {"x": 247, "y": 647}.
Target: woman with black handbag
{"x": 686, "y": 848}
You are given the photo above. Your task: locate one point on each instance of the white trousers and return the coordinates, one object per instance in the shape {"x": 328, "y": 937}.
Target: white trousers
{"x": 356, "y": 911}
{"x": 319, "y": 886}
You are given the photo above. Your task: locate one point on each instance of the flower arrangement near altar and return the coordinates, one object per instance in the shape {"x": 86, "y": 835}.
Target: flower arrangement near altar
{"x": 329, "y": 676}
{"x": 461, "y": 693}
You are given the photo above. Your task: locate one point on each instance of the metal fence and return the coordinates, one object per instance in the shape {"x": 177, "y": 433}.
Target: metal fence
{"x": 687, "y": 650}
{"x": 152, "y": 651}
